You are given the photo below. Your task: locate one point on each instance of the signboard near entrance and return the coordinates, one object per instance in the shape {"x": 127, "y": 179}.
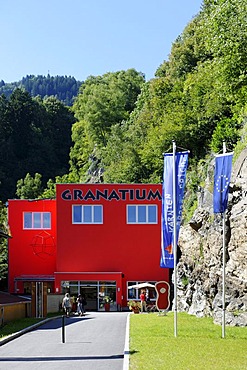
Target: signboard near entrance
{"x": 163, "y": 295}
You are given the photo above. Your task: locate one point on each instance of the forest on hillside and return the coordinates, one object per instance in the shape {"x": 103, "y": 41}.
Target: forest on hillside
{"x": 64, "y": 88}
{"x": 35, "y": 137}
{"x": 120, "y": 125}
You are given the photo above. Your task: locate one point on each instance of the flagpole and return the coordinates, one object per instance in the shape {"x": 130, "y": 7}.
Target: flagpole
{"x": 224, "y": 267}
{"x": 174, "y": 237}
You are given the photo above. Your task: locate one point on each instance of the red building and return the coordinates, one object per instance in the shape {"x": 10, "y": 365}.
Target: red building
{"x": 94, "y": 239}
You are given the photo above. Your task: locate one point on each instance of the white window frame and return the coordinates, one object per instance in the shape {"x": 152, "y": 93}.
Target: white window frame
{"x": 136, "y": 214}
{"x": 42, "y": 221}
{"x": 83, "y": 207}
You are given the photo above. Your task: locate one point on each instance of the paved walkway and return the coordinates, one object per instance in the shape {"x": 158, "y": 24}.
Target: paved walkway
{"x": 96, "y": 341}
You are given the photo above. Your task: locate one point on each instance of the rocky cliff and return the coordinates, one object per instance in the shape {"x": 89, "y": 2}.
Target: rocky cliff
{"x": 200, "y": 266}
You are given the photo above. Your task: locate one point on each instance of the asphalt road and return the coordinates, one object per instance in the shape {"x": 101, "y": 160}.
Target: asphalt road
{"x": 96, "y": 342}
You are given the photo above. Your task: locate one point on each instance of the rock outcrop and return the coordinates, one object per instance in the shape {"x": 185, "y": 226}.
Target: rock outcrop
{"x": 200, "y": 266}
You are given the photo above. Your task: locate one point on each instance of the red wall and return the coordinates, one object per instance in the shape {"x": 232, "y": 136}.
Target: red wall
{"x": 22, "y": 257}
{"x": 131, "y": 251}
{"x": 113, "y": 246}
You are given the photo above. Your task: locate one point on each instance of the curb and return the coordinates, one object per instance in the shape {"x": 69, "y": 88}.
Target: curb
{"x": 126, "y": 345}
{"x": 26, "y": 330}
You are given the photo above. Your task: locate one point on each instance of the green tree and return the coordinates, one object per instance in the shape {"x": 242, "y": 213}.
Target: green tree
{"x": 225, "y": 30}
{"x": 103, "y": 102}
{"x": 57, "y": 132}
{"x": 30, "y": 187}
{"x": 50, "y": 190}
{"x": 35, "y": 137}
{"x": 15, "y": 117}
{"x": 80, "y": 151}
{"x": 226, "y": 130}
{"x": 195, "y": 99}
{"x": 107, "y": 100}
{"x": 63, "y": 88}
{"x": 7, "y": 157}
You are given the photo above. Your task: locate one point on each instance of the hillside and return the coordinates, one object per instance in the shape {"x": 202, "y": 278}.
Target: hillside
{"x": 64, "y": 88}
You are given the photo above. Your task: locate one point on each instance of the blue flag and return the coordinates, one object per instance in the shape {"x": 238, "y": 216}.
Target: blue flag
{"x": 222, "y": 177}
{"x": 181, "y": 163}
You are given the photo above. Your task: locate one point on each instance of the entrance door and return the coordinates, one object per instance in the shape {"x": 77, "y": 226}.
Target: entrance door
{"x": 107, "y": 294}
{"x": 90, "y": 294}
{"x": 96, "y": 293}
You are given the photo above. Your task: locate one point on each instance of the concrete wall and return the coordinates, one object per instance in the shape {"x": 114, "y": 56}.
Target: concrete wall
{"x": 54, "y": 302}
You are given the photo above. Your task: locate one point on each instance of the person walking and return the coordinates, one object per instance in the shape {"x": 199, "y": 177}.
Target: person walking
{"x": 80, "y": 305}
{"x": 66, "y": 304}
{"x": 143, "y": 301}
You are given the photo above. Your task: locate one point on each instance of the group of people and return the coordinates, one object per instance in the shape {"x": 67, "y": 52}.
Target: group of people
{"x": 81, "y": 303}
{"x": 67, "y": 306}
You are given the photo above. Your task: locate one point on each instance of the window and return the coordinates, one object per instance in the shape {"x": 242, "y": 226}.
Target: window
{"x": 37, "y": 220}
{"x": 142, "y": 214}
{"x": 87, "y": 214}
{"x": 134, "y": 293}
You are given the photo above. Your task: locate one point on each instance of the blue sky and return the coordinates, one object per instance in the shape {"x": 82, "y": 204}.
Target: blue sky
{"x": 88, "y": 37}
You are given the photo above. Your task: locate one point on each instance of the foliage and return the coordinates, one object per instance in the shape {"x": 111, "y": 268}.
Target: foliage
{"x": 107, "y": 100}
{"x": 30, "y": 187}
{"x": 226, "y": 130}
{"x": 195, "y": 181}
{"x": 195, "y": 99}
{"x": 242, "y": 143}
{"x": 31, "y": 133}
{"x": 50, "y": 190}
{"x": 107, "y": 299}
{"x": 64, "y": 88}
{"x": 103, "y": 101}
{"x": 226, "y": 35}
{"x": 198, "y": 345}
{"x": 134, "y": 305}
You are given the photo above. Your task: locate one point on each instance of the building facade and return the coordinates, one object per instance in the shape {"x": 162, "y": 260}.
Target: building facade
{"x": 93, "y": 239}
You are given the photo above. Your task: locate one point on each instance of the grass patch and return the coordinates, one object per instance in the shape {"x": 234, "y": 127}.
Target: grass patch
{"x": 17, "y": 325}
{"x": 198, "y": 345}
{"x": 14, "y": 326}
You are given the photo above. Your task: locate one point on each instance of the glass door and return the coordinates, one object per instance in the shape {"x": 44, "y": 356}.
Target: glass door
{"x": 90, "y": 294}
{"x": 107, "y": 296}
